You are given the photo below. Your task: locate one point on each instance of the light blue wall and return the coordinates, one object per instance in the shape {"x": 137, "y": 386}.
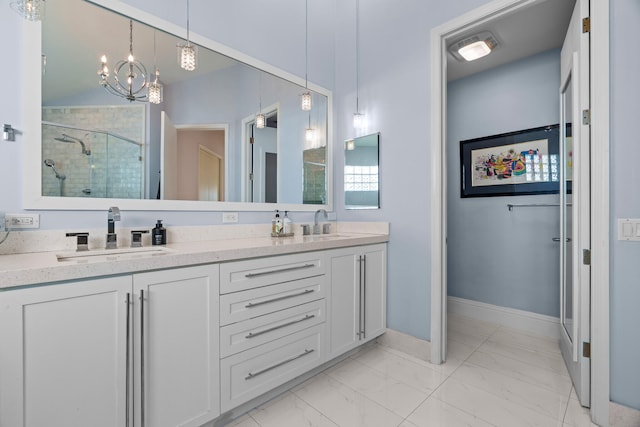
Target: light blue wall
{"x": 394, "y": 93}
{"x": 625, "y": 203}
{"x": 495, "y": 255}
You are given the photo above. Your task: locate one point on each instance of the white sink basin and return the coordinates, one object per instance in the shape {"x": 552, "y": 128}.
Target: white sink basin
{"x": 111, "y": 254}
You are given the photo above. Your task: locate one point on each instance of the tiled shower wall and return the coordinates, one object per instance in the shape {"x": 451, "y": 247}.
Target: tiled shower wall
{"x": 115, "y": 167}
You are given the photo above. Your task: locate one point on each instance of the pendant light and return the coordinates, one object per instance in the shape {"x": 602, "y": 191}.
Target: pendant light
{"x": 31, "y": 10}
{"x": 309, "y": 134}
{"x": 358, "y": 117}
{"x": 261, "y": 120}
{"x": 187, "y": 54}
{"x": 155, "y": 87}
{"x": 306, "y": 97}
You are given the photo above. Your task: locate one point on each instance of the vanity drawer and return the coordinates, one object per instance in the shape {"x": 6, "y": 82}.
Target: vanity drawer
{"x": 241, "y": 275}
{"x": 240, "y": 306}
{"x": 260, "y": 330}
{"x": 251, "y": 373}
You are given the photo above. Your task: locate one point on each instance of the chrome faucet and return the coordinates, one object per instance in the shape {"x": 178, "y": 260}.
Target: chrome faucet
{"x": 316, "y": 226}
{"x": 112, "y": 237}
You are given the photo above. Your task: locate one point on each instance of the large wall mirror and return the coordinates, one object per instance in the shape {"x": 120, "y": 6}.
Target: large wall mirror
{"x": 199, "y": 149}
{"x": 361, "y": 174}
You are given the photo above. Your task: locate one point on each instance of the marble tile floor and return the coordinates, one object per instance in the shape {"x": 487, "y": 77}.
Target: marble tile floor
{"x": 494, "y": 376}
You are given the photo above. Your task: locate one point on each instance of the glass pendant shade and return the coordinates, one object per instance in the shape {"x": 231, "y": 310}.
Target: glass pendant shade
{"x": 306, "y": 101}
{"x": 309, "y": 135}
{"x": 31, "y": 10}
{"x": 261, "y": 121}
{"x": 187, "y": 57}
{"x": 358, "y": 120}
{"x": 156, "y": 90}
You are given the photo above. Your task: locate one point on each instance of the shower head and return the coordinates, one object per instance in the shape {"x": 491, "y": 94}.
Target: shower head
{"x": 71, "y": 140}
{"x": 50, "y": 163}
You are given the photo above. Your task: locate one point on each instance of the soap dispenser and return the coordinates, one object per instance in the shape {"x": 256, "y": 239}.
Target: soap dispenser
{"x": 287, "y": 225}
{"x": 276, "y": 224}
{"x": 159, "y": 234}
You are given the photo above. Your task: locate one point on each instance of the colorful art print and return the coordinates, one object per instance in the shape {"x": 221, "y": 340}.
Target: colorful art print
{"x": 515, "y": 163}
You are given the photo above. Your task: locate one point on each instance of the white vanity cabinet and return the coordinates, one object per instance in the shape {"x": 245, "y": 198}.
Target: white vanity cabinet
{"x": 91, "y": 353}
{"x": 63, "y": 354}
{"x": 176, "y": 376}
{"x": 358, "y": 277}
{"x": 272, "y": 313}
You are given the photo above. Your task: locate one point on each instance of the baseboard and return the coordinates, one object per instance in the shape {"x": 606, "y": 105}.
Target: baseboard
{"x": 527, "y": 321}
{"x": 405, "y": 343}
{"x": 623, "y": 416}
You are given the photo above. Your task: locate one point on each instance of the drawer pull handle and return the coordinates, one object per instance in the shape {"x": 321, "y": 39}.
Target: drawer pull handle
{"x": 254, "y": 304}
{"x": 277, "y": 365}
{"x": 284, "y": 325}
{"x": 282, "y": 270}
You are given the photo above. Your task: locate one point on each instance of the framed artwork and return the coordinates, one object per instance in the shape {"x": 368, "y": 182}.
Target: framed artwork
{"x": 515, "y": 163}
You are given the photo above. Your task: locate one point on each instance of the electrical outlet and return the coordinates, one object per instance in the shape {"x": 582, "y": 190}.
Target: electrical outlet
{"x": 22, "y": 220}
{"x": 229, "y": 217}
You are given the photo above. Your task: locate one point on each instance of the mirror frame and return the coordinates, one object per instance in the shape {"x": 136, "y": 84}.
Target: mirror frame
{"x": 32, "y": 133}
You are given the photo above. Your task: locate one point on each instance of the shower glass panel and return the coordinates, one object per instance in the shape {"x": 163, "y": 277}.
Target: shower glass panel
{"x": 90, "y": 163}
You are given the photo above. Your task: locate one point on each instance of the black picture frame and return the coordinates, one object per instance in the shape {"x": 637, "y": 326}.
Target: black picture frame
{"x": 493, "y": 165}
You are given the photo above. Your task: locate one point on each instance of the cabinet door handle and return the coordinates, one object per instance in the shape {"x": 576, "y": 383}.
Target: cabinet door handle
{"x": 281, "y": 270}
{"x": 363, "y": 332}
{"x": 557, "y": 239}
{"x": 127, "y": 363}
{"x": 277, "y": 365}
{"x": 254, "y": 304}
{"x": 142, "y": 420}
{"x": 359, "y": 331}
{"x": 284, "y": 325}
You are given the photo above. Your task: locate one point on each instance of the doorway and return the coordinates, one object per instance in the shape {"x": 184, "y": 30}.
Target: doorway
{"x": 441, "y": 37}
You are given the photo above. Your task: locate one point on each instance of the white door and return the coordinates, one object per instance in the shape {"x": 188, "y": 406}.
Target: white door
{"x": 209, "y": 168}
{"x": 168, "y": 158}
{"x": 574, "y": 239}
{"x": 176, "y": 333}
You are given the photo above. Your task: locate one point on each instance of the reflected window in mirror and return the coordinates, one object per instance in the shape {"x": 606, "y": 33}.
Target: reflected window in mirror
{"x": 361, "y": 174}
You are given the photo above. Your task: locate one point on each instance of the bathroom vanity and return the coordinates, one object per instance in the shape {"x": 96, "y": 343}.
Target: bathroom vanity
{"x": 196, "y": 335}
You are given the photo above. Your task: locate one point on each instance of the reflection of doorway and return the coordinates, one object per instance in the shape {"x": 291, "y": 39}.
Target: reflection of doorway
{"x": 599, "y": 115}
{"x": 258, "y": 143}
{"x": 271, "y": 178}
{"x": 209, "y": 175}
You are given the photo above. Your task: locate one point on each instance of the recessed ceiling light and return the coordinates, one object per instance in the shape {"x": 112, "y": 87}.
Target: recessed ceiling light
{"x": 474, "y": 47}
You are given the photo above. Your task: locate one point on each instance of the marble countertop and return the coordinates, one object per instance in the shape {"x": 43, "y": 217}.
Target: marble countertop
{"x": 45, "y": 267}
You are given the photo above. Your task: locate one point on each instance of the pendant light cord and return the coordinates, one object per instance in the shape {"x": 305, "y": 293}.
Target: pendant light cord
{"x": 357, "y": 56}
{"x": 188, "y": 42}
{"x": 306, "y": 44}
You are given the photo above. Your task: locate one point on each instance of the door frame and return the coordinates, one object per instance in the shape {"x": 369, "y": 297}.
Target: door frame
{"x": 211, "y": 127}
{"x": 599, "y": 83}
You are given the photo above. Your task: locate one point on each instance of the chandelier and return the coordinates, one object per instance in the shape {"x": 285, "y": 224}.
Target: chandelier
{"x": 129, "y": 76}
{"x": 187, "y": 53}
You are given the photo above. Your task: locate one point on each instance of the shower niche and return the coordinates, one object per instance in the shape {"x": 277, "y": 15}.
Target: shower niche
{"x": 90, "y": 162}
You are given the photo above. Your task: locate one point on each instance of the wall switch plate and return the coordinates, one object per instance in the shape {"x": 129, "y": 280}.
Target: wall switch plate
{"x": 229, "y": 217}
{"x": 22, "y": 220}
{"x": 629, "y": 229}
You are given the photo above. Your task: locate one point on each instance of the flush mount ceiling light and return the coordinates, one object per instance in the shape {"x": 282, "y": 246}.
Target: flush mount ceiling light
{"x": 474, "y": 47}
{"x": 134, "y": 75}
{"x": 187, "y": 55}
{"x": 31, "y": 10}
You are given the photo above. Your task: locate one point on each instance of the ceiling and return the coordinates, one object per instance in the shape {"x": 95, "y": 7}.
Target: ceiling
{"x": 520, "y": 34}
{"x": 73, "y": 47}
